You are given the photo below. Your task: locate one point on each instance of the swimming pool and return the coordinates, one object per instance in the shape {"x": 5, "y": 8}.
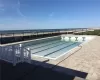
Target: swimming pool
{"x": 51, "y": 48}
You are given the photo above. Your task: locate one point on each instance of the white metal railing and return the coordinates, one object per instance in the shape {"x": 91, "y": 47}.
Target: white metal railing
{"x": 15, "y": 54}
{"x": 74, "y": 38}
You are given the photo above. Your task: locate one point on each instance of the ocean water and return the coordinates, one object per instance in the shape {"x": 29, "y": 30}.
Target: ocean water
{"x": 35, "y": 30}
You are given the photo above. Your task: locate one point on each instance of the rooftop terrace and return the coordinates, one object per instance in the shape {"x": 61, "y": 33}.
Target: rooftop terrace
{"x": 82, "y": 62}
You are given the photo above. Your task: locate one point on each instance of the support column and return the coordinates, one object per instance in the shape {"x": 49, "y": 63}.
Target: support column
{"x": 69, "y": 38}
{"x": 63, "y": 38}
{"x": 83, "y": 38}
{"x": 76, "y": 38}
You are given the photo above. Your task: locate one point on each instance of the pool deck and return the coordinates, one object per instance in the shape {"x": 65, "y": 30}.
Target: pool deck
{"x": 84, "y": 59}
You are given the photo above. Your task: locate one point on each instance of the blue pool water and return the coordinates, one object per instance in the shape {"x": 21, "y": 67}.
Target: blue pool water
{"x": 52, "y": 49}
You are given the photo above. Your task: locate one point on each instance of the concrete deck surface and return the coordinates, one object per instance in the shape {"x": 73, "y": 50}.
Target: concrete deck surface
{"x": 87, "y": 59}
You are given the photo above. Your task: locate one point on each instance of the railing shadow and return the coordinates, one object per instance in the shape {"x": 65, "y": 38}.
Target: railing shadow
{"x": 38, "y": 71}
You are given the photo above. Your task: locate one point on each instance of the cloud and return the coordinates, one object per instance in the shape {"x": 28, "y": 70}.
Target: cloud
{"x": 11, "y": 7}
{"x": 19, "y": 11}
{"x": 51, "y": 14}
{"x": 1, "y": 7}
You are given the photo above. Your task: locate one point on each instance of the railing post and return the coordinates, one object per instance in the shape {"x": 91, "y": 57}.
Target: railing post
{"x": 0, "y": 52}
{"x": 22, "y": 52}
{"x": 23, "y": 36}
{"x": 82, "y": 31}
{"x": 29, "y": 55}
{"x": 69, "y": 38}
{"x": 63, "y": 38}
{"x": 13, "y": 37}
{"x": 1, "y": 38}
{"x": 13, "y": 55}
{"x": 67, "y": 32}
{"x": 36, "y": 34}
{"x": 73, "y": 31}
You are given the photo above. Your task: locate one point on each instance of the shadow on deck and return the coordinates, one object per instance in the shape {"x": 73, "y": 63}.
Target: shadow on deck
{"x": 34, "y": 71}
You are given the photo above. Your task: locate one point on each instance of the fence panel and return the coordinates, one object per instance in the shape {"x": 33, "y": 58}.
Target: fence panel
{"x": 15, "y": 54}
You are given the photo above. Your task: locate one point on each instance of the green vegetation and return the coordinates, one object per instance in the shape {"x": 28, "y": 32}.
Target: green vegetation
{"x": 95, "y": 32}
